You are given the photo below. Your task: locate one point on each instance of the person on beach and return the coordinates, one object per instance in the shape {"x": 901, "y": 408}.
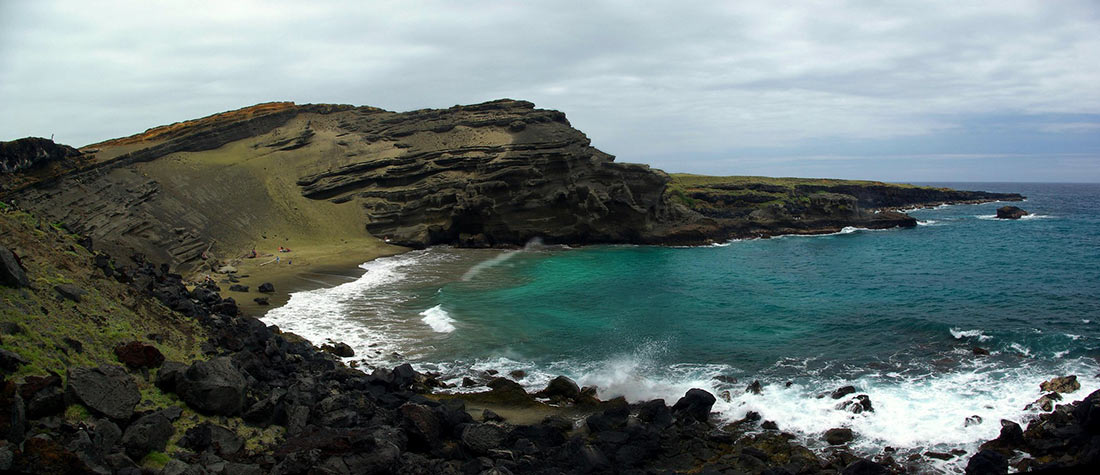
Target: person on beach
{"x": 252, "y": 255}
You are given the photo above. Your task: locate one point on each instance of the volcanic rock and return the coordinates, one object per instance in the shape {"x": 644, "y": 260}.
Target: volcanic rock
{"x": 839, "y": 436}
{"x": 560, "y": 388}
{"x": 266, "y": 287}
{"x": 11, "y": 270}
{"x": 107, "y": 390}
{"x": 843, "y": 391}
{"x": 136, "y": 354}
{"x": 1064, "y": 385}
{"x": 695, "y": 404}
{"x": 987, "y": 462}
{"x": 70, "y": 291}
{"x": 213, "y": 387}
{"x": 482, "y": 438}
{"x": 339, "y": 349}
{"x": 148, "y": 433}
{"x": 11, "y": 361}
{"x": 1010, "y": 212}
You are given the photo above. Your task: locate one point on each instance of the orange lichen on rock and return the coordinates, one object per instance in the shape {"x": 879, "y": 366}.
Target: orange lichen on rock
{"x": 165, "y": 132}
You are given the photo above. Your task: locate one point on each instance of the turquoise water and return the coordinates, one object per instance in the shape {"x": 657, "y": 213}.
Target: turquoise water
{"x": 895, "y": 312}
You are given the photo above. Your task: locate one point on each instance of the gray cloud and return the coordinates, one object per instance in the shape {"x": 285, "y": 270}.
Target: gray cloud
{"x": 681, "y": 85}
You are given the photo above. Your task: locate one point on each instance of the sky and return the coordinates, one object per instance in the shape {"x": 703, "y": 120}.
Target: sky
{"x": 899, "y": 91}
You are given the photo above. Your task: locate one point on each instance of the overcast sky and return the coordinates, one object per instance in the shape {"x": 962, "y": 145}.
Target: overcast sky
{"x": 902, "y": 91}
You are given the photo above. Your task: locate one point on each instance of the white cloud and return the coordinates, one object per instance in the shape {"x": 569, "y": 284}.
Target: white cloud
{"x": 643, "y": 80}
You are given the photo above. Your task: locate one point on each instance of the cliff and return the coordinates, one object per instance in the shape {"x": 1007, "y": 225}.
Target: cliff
{"x": 493, "y": 174}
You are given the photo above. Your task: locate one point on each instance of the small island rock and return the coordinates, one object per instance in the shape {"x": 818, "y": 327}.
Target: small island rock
{"x": 1010, "y": 212}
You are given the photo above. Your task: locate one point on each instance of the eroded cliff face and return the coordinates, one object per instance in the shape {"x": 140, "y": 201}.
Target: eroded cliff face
{"x": 497, "y": 173}
{"x": 493, "y": 174}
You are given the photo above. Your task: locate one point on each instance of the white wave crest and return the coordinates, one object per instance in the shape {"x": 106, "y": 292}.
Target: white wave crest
{"x": 438, "y": 319}
{"x": 959, "y": 334}
{"x": 1021, "y": 349}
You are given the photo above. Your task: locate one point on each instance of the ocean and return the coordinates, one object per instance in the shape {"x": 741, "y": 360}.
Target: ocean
{"x": 895, "y": 313}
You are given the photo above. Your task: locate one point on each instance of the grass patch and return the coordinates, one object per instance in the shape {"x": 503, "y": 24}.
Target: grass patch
{"x": 155, "y": 460}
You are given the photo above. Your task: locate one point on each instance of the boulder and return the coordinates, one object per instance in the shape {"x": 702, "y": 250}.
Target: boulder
{"x": 1010, "y": 212}
{"x": 70, "y": 291}
{"x": 266, "y": 287}
{"x": 695, "y": 404}
{"x": 754, "y": 388}
{"x": 136, "y": 354}
{"x": 507, "y": 392}
{"x": 339, "y": 349}
{"x": 11, "y": 270}
{"x": 864, "y": 467}
{"x": 1063, "y": 385}
{"x": 979, "y": 351}
{"x": 238, "y": 288}
{"x": 148, "y": 433}
{"x": 482, "y": 438}
{"x": 168, "y": 374}
{"x": 843, "y": 391}
{"x": 421, "y": 424}
{"x": 261, "y": 301}
{"x": 13, "y": 416}
{"x": 655, "y": 412}
{"x": 10, "y": 361}
{"x": 987, "y": 462}
{"x": 213, "y": 387}
{"x": 839, "y": 436}
{"x": 42, "y": 455}
{"x": 490, "y": 416}
{"x": 209, "y": 436}
{"x": 857, "y": 405}
{"x": 44, "y": 396}
{"x": 1010, "y": 439}
{"x": 560, "y": 388}
{"x": 107, "y": 390}
{"x": 1046, "y": 402}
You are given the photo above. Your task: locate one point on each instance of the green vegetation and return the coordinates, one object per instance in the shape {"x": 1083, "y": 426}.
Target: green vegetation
{"x": 56, "y": 333}
{"x": 53, "y": 333}
{"x": 155, "y": 460}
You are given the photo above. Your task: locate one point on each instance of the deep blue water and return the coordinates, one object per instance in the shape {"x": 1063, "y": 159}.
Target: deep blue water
{"x": 895, "y": 312}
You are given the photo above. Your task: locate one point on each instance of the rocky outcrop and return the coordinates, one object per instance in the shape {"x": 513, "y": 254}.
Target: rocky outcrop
{"x": 33, "y": 153}
{"x": 12, "y": 273}
{"x": 1062, "y": 384}
{"x": 1010, "y": 212}
{"x": 537, "y": 178}
{"x": 107, "y": 390}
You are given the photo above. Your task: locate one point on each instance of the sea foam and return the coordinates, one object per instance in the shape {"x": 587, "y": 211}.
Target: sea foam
{"x": 960, "y": 334}
{"x": 438, "y": 319}
{"x": 913, "y": 412}
{"x": 322, "y": 314}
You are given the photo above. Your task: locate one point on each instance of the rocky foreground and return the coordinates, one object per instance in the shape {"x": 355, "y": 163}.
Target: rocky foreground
{"x": 136, "y": 411}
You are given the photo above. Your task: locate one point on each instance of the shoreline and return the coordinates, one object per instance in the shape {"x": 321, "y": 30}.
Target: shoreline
{"x": 328, "y": 265}
{"x": 537, "y": 414}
